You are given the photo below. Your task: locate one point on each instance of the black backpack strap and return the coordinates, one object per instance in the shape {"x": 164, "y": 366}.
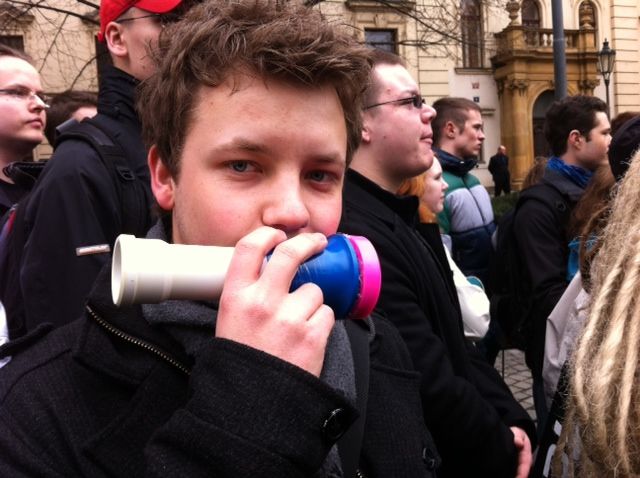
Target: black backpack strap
{"x": 134, "y": 213}
{"x": 350, "y": 444}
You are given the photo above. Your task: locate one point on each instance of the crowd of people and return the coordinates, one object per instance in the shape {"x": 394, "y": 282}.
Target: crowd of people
{"x": 196, "y": 137}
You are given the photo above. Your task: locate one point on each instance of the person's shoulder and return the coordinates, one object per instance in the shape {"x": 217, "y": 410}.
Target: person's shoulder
{"x": 34, "y": 357}
{"x": 72, "y": 157}
{"x": 388, "y": 348}
{"x": 454, "y": 181}
{"x": 471, "y": 180}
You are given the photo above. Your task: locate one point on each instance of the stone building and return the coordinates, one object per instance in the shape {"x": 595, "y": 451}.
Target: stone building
{"x": 495, "y": 52}
{"x": 500, "y": 55}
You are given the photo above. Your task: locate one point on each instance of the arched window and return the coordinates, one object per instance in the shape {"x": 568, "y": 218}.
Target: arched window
{"x": 471, "y": 24}
{"x": 530, "y": 21}
{"x": 530, "y": 14}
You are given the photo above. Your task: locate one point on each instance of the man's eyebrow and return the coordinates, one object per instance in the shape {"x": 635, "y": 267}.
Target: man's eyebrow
{"x": 247, "y": 145}
{"x": 21, "y": 86}
{"x": 243, "y": 144}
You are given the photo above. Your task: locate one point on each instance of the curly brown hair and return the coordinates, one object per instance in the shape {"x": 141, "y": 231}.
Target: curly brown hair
{"x": 270, "y": 39}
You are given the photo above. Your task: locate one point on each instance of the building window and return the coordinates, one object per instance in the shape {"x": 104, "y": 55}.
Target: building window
{"x": 471, "y": 25}
{"x": 381, "y": 39}
{"x": 13, "y": 41}
{"x": 530, "y": 14}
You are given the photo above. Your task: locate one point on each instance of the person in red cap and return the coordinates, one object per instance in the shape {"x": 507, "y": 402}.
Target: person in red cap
{"x": 79, "y": 205}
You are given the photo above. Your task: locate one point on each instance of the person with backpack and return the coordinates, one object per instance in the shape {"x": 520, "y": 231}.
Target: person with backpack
{"x": 95, "y": 186}
{"x": 265, "y": 382}
{"x": 22, "y": 118}
{"x": 578, "y": 132}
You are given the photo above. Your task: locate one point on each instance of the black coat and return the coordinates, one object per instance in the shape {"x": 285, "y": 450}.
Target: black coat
{"x": 75, "y": 203}
{"x": 543, "y": 244}
{"x": 499, "y": 167}
{"x": 110, "y": 395}
{"x": 467, "y": 406}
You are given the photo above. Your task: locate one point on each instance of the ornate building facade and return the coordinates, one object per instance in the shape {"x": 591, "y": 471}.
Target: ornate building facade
{"x": 499, "y": 53}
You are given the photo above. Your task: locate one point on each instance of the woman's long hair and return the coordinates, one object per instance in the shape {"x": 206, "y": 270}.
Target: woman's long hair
{"x": 604, "y": 403}
{"x": 415, "y": 187}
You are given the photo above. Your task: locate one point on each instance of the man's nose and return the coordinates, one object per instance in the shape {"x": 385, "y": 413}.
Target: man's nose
{"x": 37, "y": 104}
{"x": 427, "y": 114}
{"x": 287, "y": 209}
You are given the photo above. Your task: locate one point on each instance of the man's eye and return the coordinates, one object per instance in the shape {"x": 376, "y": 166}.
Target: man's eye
{"x": 318, "y": 176}
{"x": 20, "y": 93}
{"x": 239, "y": 166}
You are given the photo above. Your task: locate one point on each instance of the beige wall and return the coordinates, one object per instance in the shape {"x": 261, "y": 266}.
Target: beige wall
{"x": 63, "y": 48}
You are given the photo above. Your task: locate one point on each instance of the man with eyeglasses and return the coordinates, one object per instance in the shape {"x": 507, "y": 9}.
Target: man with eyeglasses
{"x": 22, "y": 118}
{"x": 78, "y": 206}
{"x": 478, "y": 427}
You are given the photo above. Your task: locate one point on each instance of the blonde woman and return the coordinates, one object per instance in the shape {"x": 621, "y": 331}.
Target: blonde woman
{"x": 602, "y": 428}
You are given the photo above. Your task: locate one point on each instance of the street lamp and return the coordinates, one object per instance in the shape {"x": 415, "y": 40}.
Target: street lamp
{"x": 606, "y": 59}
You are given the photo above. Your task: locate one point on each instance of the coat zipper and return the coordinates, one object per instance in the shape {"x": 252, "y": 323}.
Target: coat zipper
{"x": 136, "y": 341}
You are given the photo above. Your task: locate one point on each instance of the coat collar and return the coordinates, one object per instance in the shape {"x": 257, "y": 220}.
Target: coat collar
{"x": 107, "y": 328}
{"x": 360, "y": 192}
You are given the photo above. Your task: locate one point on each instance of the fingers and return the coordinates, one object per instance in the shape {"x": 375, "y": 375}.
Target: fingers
{"x": 249, "y": 255}
{"x": 523, "y": 444}
{"x": 289, "y": 255}
{"x": 257, "y": 309}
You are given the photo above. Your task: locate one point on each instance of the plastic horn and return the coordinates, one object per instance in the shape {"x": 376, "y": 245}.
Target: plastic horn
{"x": 151, "y": 271}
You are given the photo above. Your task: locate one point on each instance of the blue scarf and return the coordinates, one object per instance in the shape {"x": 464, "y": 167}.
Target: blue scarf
{"x": 577, "y": 175}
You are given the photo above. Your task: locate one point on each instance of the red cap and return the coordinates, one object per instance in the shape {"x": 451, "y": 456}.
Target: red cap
{"x": 110, "y": 10}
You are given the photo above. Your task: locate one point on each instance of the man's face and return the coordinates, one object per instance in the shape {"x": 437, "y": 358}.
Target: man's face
{"x": 399, "y": 132}
{"x": 265, "y": 154}
{"x": 22, "y": 116}
{"x": 141, "y": 30}
{"x": 468, "y": 141}
{"x": 594, "y": 150}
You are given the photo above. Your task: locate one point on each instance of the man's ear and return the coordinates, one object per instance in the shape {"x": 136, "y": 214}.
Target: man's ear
{"x": 366, "y": 129}
{"x": 115, "y": 40}
{"x": 575, "y": 139}
{"x": 450, "y": 130}
{"x": 162, "y": 182}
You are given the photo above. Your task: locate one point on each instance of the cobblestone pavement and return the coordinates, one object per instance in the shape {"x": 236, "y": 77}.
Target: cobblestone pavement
{"x": 510, "y": 364}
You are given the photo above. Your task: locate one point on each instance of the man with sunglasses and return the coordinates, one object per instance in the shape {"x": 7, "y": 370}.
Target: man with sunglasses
{"x": 22, "y": 117}
{"x": 479, "y": 428}
{"x": 79, "y": 205}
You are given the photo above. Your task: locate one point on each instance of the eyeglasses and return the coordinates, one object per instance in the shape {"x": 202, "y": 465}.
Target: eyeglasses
{"x": 25, "y": 94}
{"x": 163, "y": 18}
{"x": 416, "y": 100}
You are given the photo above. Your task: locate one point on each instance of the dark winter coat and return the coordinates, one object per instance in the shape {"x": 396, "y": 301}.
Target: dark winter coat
{"x": 110, "y": 395}
{"x": 75, "y": 204}
{"x": 543, "y": 245}
{"x": 467, "y": 406}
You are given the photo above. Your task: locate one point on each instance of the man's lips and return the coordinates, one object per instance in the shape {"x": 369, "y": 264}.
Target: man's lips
{"x": 36, "y": 122}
